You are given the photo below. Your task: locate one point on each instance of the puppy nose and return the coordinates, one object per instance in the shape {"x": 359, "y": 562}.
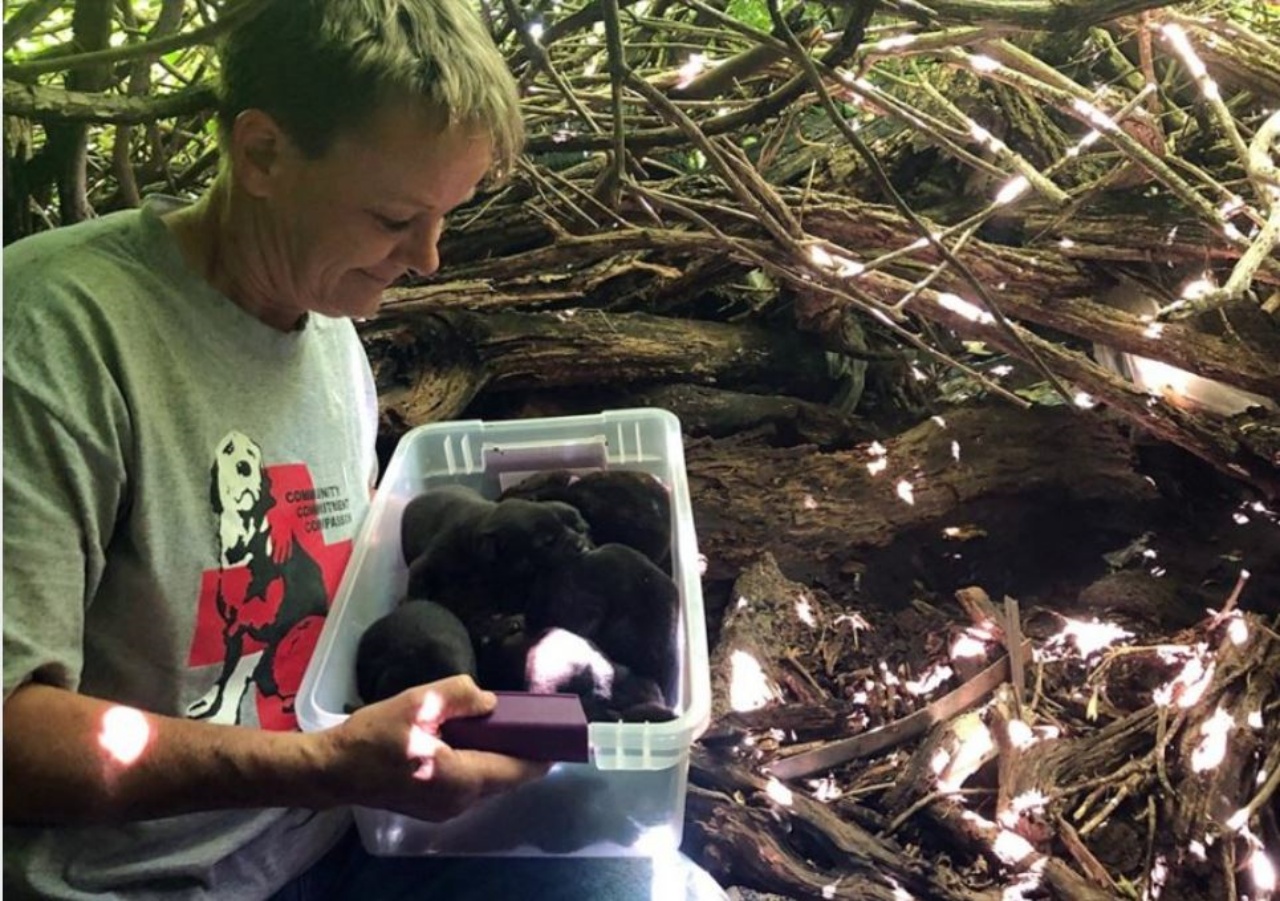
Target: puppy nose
{"x": 242, "y": 468}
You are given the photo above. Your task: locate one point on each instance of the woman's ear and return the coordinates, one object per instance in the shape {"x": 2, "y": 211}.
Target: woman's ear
{"x": 257, "y": 148}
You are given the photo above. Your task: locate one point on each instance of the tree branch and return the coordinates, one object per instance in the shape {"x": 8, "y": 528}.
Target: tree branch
{"x": 48, "y": 103}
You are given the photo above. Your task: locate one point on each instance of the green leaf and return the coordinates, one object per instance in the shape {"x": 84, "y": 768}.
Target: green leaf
{"x": 751, "y": 12}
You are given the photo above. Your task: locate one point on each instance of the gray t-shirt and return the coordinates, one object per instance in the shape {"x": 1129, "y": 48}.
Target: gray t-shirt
{"x": 182, "y": 485}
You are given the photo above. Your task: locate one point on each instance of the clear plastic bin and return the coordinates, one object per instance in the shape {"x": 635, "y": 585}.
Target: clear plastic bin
{"x": 629, "y": 799}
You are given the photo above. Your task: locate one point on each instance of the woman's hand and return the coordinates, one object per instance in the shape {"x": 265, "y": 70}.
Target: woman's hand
{"x": 389, "y": 755}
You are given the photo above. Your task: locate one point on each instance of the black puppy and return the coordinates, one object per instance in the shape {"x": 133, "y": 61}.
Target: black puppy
{"x": 618, "y": 599}
{"x": 477, "y": 556}
{"x": 502, "y": 645}
{"x": 416, "y": 643}
{"x": 620, "y": 505}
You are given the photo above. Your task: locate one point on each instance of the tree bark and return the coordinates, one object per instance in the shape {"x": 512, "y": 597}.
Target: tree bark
{"x": 91, "y": 25}
{"x": 429, "y": 366}
{"x": 825, "y": 515}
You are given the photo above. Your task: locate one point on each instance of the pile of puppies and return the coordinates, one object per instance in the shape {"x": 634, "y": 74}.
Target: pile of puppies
{"x": 560, "y": 585}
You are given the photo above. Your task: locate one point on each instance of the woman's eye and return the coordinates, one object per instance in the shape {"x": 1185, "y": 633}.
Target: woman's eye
{"x": 390, "y": 223}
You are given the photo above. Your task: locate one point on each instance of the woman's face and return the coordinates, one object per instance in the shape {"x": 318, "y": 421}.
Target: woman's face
{"x": 336, "y": 231}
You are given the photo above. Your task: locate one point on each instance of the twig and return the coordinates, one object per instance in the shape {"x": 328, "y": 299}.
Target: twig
{"x": 1079, "y": 196}
{"x": 1076, "y": 847}
{"x": 928, "y": 800}
{"x": 1099, "y": 783}
{"x": 1152, "y": 822}
{"x": 536, "y": 176}
{"x": 617, "y": 74}
{"x": 1162, "y": 741}
{"x": 826, "y": 283}
{"x": 1013, "y": 642}
{"x": 1033, "y": 175}
{"x": 1107, "y": 809}
{"x": 1227, "y": 850}
{"x": 234, "y": 14}
{"x": 587, "y": 197}
{"x": 26, "y": 19}
{"x": 918, "y": 120}
{"x": 794, "y": 659}
{"x": 1208, "y": 87}
{"x": 945, "y": 708}
{"x": 1013, "y": 66}
{"x": 1266, "y": 179}
{"x": 1272, "y": 768}
{"x": 802, "y": 58}
{"x": 1234, "y": 597}
{"x": 543, "y": 61}
{"x": 780, "y": 231}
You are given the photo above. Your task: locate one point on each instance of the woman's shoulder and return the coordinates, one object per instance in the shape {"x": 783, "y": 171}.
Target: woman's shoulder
{"x": 80, "y": 272}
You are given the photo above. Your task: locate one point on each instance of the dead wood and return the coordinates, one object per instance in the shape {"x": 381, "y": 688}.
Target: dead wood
{"x": 1043, "y": 288}
{"x": 40, "y": 102}
{"x": 1045, "y": 285}
{"x": 1048, "y": 15}
{"x": 768, "y": 620}
{"x": 1045, "y": 804}
{"x": 429, "y": 366}
{"x": 825, "y": 514}
{"x": 718, "y": 413}
{"x": 1243, "y": 446}
{"x": 769, "y": 838}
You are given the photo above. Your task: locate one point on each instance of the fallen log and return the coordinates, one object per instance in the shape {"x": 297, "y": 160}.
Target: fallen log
{"x": 429, "y": 365}
{"x": 768, "y": 840}
{"x": 827, "y": 517}
{"x": 1042, "y": 287}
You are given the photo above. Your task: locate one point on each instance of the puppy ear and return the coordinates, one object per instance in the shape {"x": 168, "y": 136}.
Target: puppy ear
{"x": 215, "y": 498}
{"x": 487, "y": 548}
{"x": 266, "y": 500}
{"x": 570, "y": 517}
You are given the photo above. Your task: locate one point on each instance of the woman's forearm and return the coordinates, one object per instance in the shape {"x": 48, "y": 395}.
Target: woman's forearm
{"x": 72, "y": 759}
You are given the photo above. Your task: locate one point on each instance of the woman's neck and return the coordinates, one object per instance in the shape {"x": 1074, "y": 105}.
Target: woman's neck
{"x": 217, "y": 244}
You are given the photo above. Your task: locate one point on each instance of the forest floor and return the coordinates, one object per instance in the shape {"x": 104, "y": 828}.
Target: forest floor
{"x": 1124, "y": 583}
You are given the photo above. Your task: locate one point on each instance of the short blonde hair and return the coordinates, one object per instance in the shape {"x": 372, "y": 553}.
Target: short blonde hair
{"x": 322, "y": 67}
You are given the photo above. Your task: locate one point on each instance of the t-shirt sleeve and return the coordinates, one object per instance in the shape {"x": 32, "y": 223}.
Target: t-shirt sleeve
{"x": 64, "y": 484}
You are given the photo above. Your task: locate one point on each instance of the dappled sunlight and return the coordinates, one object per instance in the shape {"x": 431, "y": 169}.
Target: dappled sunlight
{"x": 779, "y": 792}
{"x": 1212, "y": 749}
{"x": 825, "y": 789}
{"x": 424, "y": 743}
{"x": 1012, "y": 848}
{"x": 670, "y": 873}
{"x": 1012, "y": 190}
{"x": 749, "y": 687}
{"x": 1191, "y": 682}
{"x": 964, "y": 308}
{"x": 1083, "y": 637}
{"x": 804, "y": 610}
{"x": 1262, "y": 870}
{"x": 125, "y": 734}
{"x": 972, "y": 642}
{"x": 974, "y": 745}
{"x": 930, "y": 680}
{"x": 694, "y": 66}
{"x": 423, "y": 747}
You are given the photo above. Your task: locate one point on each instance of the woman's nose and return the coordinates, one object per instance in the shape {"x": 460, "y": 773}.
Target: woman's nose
{"x": 419, "y": 249}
